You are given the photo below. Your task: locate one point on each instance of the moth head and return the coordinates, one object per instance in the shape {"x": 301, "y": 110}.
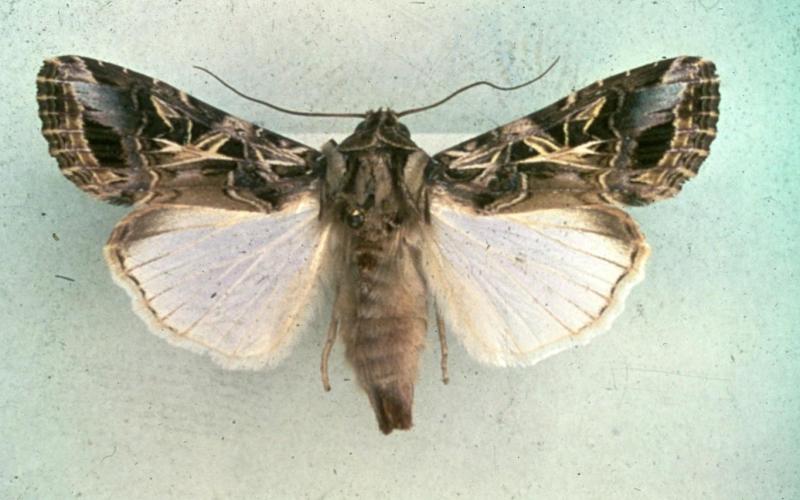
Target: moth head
{"x": 379, "y": 128}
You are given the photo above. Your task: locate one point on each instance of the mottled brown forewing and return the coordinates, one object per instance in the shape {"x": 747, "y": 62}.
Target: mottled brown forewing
{"x": 127, "y": 138}
{"x": 632, "y": 139}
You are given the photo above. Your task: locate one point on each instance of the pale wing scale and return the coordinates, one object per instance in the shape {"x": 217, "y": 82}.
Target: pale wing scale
{"x": 239, "y": 285}
{"x": 516, "y": 288}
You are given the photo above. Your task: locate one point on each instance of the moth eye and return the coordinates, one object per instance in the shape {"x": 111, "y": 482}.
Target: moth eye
{"x": 355, "y": 218}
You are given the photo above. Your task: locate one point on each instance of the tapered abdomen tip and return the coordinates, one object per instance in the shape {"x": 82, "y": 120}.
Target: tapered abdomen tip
{"x": 392, "y": 405}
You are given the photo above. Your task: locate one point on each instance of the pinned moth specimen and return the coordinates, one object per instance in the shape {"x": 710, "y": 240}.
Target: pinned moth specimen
{"x": 513, "y": 240}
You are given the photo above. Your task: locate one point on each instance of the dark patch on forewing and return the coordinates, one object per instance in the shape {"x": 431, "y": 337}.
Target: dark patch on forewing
{"x": 126, "y": 138}
{"x": 633, "y": 138}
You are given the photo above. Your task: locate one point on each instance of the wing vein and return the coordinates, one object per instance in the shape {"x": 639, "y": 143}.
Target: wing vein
{"x": 542, "y": 264}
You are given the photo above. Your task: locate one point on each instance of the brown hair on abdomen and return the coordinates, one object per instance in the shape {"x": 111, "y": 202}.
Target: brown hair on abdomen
{"x": 385, "y": 334}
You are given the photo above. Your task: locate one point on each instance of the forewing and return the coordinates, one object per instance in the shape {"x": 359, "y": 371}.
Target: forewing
{"x": 236, "y": 284}
{"x": 518, "y": 287}
{"x": 631, "y": 139}
{"x": 127, "y": 138}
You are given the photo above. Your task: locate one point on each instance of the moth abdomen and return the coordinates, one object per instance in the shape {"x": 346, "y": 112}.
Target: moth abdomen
{"x": 385, "y": 333}
{"x": 384, "y": 353}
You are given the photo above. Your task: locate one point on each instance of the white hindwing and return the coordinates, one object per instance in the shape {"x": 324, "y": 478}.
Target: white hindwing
{"x": 236, "y": 284}
{"x": 518, "y": 287}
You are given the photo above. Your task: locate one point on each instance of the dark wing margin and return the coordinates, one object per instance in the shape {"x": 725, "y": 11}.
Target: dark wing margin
{"x": 631, "y": 139}
{"x": 127, "y": 138}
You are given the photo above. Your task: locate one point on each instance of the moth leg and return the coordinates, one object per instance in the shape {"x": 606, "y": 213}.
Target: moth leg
{"x": 330, "y": 338}
{"x": 442, "y": 343}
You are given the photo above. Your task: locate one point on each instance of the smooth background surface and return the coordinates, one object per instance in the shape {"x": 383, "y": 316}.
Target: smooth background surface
{"x": 693, "y": 394}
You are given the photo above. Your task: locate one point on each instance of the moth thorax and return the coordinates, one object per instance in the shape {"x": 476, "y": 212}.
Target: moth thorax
{"x": 376, "y": 189}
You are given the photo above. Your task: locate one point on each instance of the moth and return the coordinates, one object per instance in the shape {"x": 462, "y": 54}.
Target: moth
{"x": 514, "y": 240}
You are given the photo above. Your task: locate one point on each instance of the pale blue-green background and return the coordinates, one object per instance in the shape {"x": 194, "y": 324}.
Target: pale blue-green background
{"x": 693, "y": 394}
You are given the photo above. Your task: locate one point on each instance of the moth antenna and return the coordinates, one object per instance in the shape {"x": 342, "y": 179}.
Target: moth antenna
{"x": 476, "y": 84}
{"x": 276, "y": 107}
